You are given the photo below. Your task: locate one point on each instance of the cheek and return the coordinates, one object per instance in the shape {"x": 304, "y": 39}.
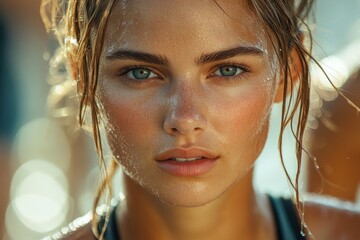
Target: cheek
{"x": 248, "y": 109}
{"x": 126, "y": 122}
{"x": 129, "y": 128}
{"x": 124, "y": 111}
{"x": 247, "y": 113}
{"x": 243, "y": 125}
{"x": 119, "y": 136}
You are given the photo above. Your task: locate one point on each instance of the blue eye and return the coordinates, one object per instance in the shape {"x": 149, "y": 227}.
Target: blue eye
{"x": 228, "y": 71}
{"x": 140, "y": 73}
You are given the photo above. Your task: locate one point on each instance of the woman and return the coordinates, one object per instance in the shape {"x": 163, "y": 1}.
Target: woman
{"x": 184, "y": 90}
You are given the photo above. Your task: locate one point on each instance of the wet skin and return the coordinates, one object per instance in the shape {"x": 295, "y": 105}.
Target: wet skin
{"x": 187, "y": 101}
{"x": 185, "y": 75}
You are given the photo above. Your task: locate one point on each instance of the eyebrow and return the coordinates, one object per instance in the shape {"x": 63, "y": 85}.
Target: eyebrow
{"x": 203, "y": 59}
{"x": 140, "y": 56}
{"x": 228, "y": 53}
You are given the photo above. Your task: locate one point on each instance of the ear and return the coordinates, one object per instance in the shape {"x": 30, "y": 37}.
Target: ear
{"x": 294, "y": 74}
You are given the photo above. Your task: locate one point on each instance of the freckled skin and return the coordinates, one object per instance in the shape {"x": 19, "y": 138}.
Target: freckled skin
{"x": 230, "y": 119}
{"x": 185, "y": 104}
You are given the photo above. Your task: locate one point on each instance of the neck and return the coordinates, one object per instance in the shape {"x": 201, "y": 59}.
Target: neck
{"x": 235, "y": 213}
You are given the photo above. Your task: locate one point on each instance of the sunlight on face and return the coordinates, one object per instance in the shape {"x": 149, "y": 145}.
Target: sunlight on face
{"x": 185, "y": 75}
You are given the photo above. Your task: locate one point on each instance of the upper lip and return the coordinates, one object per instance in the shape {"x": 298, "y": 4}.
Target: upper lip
{"x": 193, "y": 152}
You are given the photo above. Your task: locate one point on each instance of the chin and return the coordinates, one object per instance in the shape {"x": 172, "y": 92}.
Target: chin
{"x": 189, "y": 202}
{"x": 190, "y": 195}
{"x": 181, "y": 193}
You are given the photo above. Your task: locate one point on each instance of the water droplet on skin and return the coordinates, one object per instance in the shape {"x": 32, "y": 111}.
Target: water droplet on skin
{"x": 316, "y": 164}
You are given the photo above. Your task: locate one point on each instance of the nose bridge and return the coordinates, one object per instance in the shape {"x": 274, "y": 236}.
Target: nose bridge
{"x": 184, "y": 101}
{"x": 186, "y": 112}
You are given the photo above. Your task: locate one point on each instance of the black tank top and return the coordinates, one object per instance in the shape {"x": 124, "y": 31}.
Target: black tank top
{"x": 286, "y": 220}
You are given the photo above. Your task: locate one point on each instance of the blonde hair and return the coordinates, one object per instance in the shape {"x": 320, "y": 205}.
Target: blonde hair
{"x": 80, "y": 28}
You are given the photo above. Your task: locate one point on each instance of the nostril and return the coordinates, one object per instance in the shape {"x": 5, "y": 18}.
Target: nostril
{"x": 181, "y": 123}
{"x": 184, "y": 130}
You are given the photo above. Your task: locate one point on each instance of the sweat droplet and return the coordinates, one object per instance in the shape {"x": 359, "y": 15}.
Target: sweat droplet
{"x": 316, "y": 163}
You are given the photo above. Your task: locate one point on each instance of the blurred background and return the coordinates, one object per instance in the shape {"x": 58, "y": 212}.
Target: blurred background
{"x": 48, "y": 168}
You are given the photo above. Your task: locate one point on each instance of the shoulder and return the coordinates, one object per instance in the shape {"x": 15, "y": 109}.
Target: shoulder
{"x": 331, "y": 218}
{"x": 79, "y": 229}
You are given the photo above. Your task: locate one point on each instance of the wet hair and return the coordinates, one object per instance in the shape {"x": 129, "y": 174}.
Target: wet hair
{"x": 80, "y": 27}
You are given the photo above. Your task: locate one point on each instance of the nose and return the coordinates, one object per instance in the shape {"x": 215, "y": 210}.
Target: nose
{"x": 186, "y": 113}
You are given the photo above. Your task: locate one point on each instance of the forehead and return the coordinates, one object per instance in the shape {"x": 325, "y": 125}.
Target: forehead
{"x": 161, "y": 24}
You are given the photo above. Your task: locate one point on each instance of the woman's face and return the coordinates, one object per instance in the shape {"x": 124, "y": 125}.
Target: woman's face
{"x": 186, "y": 89}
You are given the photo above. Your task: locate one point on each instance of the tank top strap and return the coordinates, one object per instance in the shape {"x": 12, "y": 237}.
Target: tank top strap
{"x": 287, "y": 221}
{"x": 111, "y": 232}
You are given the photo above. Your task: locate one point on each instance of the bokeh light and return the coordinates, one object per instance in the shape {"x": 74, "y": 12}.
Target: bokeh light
{"x": 43, "y": 138}
{"x": 39, "y": 197}
{"x": 337, "y": 72}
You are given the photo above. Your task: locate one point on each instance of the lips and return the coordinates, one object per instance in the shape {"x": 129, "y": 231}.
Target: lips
{"x": 187, "y": 162}
{"x": 183, "y": 155}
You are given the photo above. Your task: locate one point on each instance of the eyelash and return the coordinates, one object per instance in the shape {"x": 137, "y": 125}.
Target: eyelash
{"x": 125, "y": 70}
{"x": 244, "y": 68}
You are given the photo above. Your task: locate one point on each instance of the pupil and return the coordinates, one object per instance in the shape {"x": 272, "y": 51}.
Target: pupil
{"x": 228, "y": 71}
{"x": 141, "y": 73}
